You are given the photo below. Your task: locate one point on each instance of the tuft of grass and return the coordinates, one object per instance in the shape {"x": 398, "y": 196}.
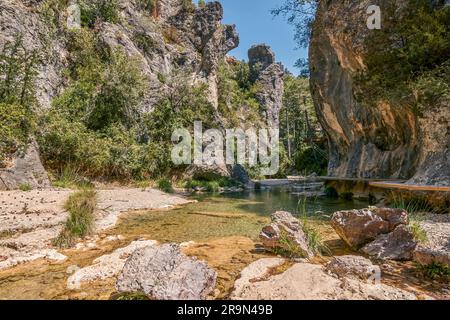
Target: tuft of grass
{"x": 315, "y": 241}
{"x": 70, "y": 178}
{"x": 81, "y": 206}
{"x": 409, "y": 204}
{"x": 435, "y": 271}
{"x": 420, "y": 235}
{"x": 25, "y": 187}
{"x": 165, "y": 185}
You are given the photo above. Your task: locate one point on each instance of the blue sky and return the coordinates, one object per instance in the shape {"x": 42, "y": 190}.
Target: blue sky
{"x": 256, "y": 24}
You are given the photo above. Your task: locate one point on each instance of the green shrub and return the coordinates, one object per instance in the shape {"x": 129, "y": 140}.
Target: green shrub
{"x": 15, "y": 127}
{"x": 434, "y": 271}
{"x": 165, "y": 185}
{"x": 420, "y": 235}
{"x": 81, "y": 206}
{"x": 407, "y": 60}
{"x": 25, "y": 187}
{"x": 148, "y": 5}
{"x": 104, "y": 10}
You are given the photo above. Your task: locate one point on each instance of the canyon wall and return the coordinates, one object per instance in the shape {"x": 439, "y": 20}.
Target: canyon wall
{"x": 383, "y": 141}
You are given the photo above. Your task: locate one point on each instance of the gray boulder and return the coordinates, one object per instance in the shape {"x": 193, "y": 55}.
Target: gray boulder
{"x": 164, "y": 273}
{"x": 353, "y": 266}
{"x": 397, "y": 245}
{"x": 286, "y": 233}
{"x": 358, "y": 227}
{"x": 24, "y": 169}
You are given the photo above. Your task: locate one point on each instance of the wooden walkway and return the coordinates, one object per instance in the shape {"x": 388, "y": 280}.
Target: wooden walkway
{"x": 377, "y": 183}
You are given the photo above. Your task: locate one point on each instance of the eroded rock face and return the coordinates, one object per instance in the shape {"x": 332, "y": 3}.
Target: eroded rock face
{"x": 358, "y": 227}
{"x": 397, "y": 245}
{"x": 164, "y": 273}
{"x": 25, "y": 169}
{"x": 386, "y": 141}
{"x": 285, "y": 232}
{"x": 269, "y": 75}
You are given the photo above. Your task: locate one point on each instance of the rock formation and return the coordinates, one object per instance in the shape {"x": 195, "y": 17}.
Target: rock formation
{"x": 358, "y": 227}
{"x": 172, "y": 37}
{"x": 353, "y": 266}
{"x": 285, "y": 232}
{"x": 382, "y": 233}
{"x": 397, "y": 245}
{"x": 164, "y": 273}
{"x": 305, "y": 281}
{"x": 386, "y": 141}
{"x": 24, "y": 169}
{"x": 269, "y": 74}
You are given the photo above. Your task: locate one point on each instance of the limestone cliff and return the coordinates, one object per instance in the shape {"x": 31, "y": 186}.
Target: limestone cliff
{"x": 385, "y": 141}
{"x": 269, "y": 76}
{"x": 173, "y": 35}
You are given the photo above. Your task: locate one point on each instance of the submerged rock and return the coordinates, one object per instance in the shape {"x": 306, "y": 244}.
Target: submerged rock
{"x": 353, "y": 266}
{"x": 397, "y": 245}
{"x": 358, "y": 227}
{"x": 285, "y": 232}
{"x": 164, "y": 273}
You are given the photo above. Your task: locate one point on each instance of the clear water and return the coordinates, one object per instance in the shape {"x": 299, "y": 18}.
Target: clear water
{"x": 289, "y": 198}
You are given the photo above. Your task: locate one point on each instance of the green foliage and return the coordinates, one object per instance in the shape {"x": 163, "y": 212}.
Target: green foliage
{"x": 165, "y": 185}
{"x": 18, "y": 68}
{"x": 103, "y": 10}
{"x": 201, "y": 3}
{"x": 148, "y": 5}
{"x": 237, "y": 102}
{"x": 144, "y": 42}
{"x": 410, "y": 204}
{"x": 407, "y": 61}
{"x": 420, "y": 235}
{"x": 301, "y": 15}
{"x": 211, "y": 185}
{"x": 25, "y": 187}
{"x": 188, "y": 6}
{"x": 315, "y": 241}
{"x": 94, "y": 125}
{"x": 15, "y": 126}
{"x": 70, "y": 178}
{"x": 81, "y": 206}
{"x": 434, "y": 271}
{"x": 300, "y": 131}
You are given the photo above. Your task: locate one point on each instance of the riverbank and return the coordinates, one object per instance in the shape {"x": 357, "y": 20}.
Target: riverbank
{"x": 221, "y": 230}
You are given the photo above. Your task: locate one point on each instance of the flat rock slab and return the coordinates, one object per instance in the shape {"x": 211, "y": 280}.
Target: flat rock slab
{"x": 107, "y": 266}
{"x": 114, "y": 202}
{"x": 305, "y": 281}
{"x": 29, "y": 221}
{"x": 437, "y": 247}
{"x": 164, "y": 273}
